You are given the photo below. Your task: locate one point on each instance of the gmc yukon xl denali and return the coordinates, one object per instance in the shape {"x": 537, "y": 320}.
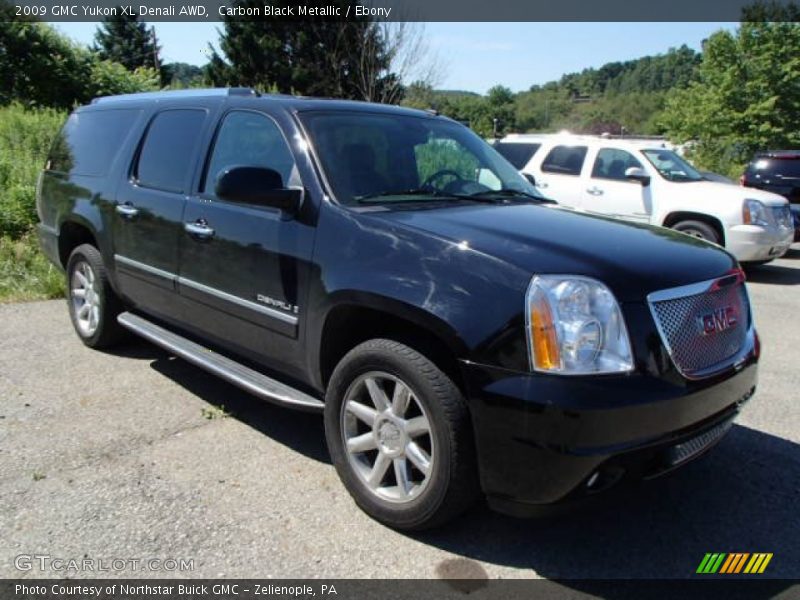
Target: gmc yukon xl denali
{"x": 386, "y": 267}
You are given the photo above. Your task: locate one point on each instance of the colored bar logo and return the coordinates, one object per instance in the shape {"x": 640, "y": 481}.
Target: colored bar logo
{"x": 734, "y": 562}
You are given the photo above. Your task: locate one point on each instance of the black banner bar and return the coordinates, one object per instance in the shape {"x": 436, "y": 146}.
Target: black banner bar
{"x": 391, "y": 10}
{"x": 730, "y": 588}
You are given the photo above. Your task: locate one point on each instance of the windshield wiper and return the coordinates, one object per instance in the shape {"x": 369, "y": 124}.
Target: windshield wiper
{"x": 382, "y": 196}
{"x": 512, "y": 193}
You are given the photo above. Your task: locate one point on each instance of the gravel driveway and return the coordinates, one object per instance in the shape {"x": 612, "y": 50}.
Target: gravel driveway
{"x": 130, "y": 455}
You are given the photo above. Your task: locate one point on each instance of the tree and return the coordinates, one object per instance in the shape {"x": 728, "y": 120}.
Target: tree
{"x": 356, "y": 58}
{"x": 126, "y": 40}
{"x": 746, "y": 96}
{"x": 40, "y": 67}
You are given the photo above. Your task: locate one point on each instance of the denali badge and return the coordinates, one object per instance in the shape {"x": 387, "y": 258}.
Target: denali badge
{"x": 277, "y": 303}
{"x": 719, "y": 320}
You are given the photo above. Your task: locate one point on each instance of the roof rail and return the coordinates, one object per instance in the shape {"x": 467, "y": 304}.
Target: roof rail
{"x": 191, "y": 93}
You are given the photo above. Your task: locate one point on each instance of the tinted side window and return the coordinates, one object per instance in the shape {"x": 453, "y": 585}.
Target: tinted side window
{"x": 248, "y": 139}
{"x": 565, "y": 160}
{"x": 517, "y": 154}
{"x": 168, "y": 149}
{"x": 611, "y": 163}
{"x": 90, "y": 140}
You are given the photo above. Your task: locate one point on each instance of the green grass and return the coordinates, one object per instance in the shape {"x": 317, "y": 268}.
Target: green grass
{"x": 25, "y": 138}
{"x": 25, "y": 274}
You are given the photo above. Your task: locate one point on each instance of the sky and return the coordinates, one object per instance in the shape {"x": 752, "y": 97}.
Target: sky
{"x": 477, "y": 56}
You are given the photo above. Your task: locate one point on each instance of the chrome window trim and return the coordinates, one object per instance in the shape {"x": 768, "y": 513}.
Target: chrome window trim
{"x": 693, "y": 289}
{"x": 265, "y": 310}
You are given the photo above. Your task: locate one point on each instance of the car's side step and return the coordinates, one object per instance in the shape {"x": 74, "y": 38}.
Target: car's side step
{"x": 236, "y": 373}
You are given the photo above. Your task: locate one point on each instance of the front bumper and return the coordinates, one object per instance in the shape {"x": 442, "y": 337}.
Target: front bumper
{"x": 754, "y": 243}
{"x": 551, "y": 439}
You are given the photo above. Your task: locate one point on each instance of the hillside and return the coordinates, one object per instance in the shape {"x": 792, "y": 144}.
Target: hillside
{"x": 627, "y": 94}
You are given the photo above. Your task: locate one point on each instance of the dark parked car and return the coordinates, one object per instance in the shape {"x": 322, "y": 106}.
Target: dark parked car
{"x": 386, "y": 267}
{"x": 777, "y": 171}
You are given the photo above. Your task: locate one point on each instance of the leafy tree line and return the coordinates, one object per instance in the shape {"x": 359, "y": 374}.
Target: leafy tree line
{"x": 745, "y": 95}
{"x": 626, "y": 94}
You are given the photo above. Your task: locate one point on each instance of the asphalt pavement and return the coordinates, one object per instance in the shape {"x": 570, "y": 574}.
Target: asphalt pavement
{"x": 138, "y": 455}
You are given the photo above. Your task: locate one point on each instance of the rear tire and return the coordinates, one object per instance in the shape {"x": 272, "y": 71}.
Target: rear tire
{"x": 699, "y": 230}
{"x": 93, "y": 305}
{"x": 400, "y": 436}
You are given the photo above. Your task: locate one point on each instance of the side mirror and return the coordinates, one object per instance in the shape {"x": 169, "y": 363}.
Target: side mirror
{"x": 637, "y": 174}
{"x": 259, "y": 186}
{"x": 531, "y": 179}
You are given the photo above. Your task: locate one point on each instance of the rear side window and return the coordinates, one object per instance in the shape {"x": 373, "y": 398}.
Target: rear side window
{"x": 565, "y": 160}
{"x": 168, "y": 149}
{"x": 518, "y": 155}
{"x": 611, "y": 163}
{"x": 90, "y": 141}
{"x": 248, "y": 139}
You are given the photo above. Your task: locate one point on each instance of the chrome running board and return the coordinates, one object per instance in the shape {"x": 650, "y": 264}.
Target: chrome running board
{"x": 236, "y": 373}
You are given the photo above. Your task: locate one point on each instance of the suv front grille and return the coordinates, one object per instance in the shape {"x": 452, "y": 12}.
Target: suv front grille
{"x": 703, "y": 326}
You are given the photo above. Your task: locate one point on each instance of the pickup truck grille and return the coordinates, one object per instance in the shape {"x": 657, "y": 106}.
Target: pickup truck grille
{"x": 702, "y": 330}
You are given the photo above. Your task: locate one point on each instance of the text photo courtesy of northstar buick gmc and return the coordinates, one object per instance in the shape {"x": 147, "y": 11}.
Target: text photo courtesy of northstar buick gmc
{"x": 387, "y": 268}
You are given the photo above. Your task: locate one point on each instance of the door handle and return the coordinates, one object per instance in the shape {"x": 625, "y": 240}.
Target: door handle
{"x": 595, "y": 191}
{"x": 127, "y": 210}
{"x": 541, "y": 184}
{"x": 199, "y": 229}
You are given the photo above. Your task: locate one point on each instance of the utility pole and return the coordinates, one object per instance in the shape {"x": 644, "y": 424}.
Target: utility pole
{"x": 155, "y": 48}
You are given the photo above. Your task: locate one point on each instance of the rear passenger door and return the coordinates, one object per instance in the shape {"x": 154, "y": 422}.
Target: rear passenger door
{"x": 242, "y": 266}
{"x": 610, "y": 193}
{"x": 147, "y": 224}
{"x": 559, "y": 175}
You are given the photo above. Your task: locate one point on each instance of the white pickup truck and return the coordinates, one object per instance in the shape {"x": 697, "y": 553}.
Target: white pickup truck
{"x": 645, "y": 182}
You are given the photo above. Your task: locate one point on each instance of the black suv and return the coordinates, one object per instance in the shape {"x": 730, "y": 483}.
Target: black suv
{"x": 387, "y": 267}
{"x": 777, "y": 171}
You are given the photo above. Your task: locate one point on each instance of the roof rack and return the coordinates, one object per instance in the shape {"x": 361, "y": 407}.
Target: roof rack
{"x": 191, "y": 93}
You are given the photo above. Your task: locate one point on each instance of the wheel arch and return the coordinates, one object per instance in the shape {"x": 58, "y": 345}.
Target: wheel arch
{"x": 676, "y": 217}
{"x": 351, "y": 322}
{"x": 71, "y": 234}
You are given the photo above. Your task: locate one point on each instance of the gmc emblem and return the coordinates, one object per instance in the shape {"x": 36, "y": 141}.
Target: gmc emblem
{"x": 718, "y": 320}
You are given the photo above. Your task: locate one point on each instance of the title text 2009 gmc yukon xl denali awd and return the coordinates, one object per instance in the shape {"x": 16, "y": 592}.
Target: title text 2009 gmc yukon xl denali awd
{"x": 387, "y": 267}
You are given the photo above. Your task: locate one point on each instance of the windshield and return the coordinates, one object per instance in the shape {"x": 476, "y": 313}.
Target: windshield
{"x": 671, "y": 166}
{"x": 389, "y": 158}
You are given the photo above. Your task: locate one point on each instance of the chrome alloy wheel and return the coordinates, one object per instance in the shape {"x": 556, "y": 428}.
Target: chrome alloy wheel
{"x": 85, "y": 298}
{"x": 387, "y": 437}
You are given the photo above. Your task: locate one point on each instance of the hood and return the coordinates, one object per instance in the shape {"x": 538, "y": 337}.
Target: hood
{"x": 716, "y": 189}
{"x": 633, "y": 260}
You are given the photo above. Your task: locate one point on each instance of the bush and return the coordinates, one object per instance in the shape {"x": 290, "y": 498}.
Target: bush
{"x": 25, "y": 138}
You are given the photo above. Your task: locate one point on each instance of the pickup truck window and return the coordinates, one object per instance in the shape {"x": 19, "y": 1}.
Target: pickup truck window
{"x": 168, "y": 149}
{"x": 611, "y": 163}
{"x": 395, "y": 158}
{"x": 90, "y": 140}
{"x": 249, "y": 139}
{"x": 565, "y": 160}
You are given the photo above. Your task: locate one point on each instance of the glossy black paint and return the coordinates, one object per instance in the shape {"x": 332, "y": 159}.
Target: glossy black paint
{"x": 265, "y": 285}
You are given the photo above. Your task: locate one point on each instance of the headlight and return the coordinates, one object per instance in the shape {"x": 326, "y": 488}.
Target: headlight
{"x": 754, "y": 213}
{"x": 575, "y": 327}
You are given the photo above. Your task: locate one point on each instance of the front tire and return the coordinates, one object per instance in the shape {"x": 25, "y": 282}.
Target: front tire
{"x": 699, "y": 230}
{"x": 93, "y": 305}
{"x": 399, "y": 434}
